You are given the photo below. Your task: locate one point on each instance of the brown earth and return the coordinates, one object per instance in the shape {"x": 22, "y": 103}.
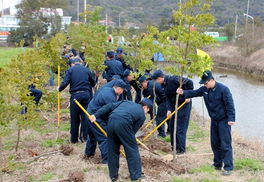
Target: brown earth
{"x": 25, "y": 165}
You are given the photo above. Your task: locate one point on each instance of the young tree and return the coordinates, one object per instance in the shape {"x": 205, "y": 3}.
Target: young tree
{"x": 182, "y": 44}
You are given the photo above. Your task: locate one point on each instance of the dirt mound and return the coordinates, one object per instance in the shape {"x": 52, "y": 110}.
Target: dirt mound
{"x": 157, "y": 144}
{"x": 66, "y": 149}
{"x": 153, "y": 167}
{"x": 76, "y": 176}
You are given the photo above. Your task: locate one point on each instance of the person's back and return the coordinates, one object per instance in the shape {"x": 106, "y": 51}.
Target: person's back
{"x": 114, "y": 67}
{"x": 129, "y": 112}
{"x": 105, "y": 96}
{"x": 79, "y": 77}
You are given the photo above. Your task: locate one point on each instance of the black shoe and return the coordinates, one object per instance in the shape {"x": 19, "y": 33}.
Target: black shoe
{"x": 114, "y": 179}
{"x": 180, "y": 152}
{"x": 85, "y": 157}
{"x": 226, "y": 173}
{"x": 217, "y": 167}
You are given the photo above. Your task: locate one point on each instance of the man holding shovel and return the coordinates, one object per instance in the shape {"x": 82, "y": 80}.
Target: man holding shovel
{"x": 125, "y": 119}
{"x": 220, "y": 106}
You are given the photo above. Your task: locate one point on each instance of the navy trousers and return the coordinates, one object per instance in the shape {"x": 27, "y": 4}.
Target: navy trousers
{"x": 182, "y": 127}
{"x": 95, "y": 135}
{"x": 221, "y": 143}
{"x": 161, "y": 115}
{"x": 37, "y": 94}
{"x": 78, "y": 117}
{"x": 120, "y": 133}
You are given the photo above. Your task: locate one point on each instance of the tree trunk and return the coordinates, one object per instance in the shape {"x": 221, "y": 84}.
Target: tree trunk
{"x": 1, "y": 159}
{"x": 18, "y": 137}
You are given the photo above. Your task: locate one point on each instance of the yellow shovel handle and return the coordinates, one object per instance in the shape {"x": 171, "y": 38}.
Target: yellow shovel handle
{"x": 155, "y": 129}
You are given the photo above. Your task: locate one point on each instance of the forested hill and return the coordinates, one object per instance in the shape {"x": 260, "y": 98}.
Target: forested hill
{"x": 152, "y": 11}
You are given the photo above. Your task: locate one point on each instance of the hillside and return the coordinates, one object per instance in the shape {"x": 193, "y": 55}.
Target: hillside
{"x": 144, "y": 12}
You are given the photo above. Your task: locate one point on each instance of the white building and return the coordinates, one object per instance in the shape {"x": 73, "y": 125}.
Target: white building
{"x": 8, "y": 20}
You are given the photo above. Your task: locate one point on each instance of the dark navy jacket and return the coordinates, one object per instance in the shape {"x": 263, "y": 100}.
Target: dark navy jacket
{"x": 171, "y": 84}
{"x": 124, "y": 111}
{"x": 79, "y": 77}
{"x": 219, "y": 101}
{"x": 159, "y": 90}
{"x": 105, "y": 96}
{"x": 127, "y": 91}
{"x": 114, "y": 67}
{"x": 125, "y": 66}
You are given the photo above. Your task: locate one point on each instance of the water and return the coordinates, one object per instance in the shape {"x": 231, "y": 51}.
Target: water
{"x": 248, "y": 95}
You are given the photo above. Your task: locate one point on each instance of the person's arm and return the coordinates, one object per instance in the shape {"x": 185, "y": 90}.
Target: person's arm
{"x": 139, "y": 123}
{"x": 105, "y": 110}
{"x": 229, "y": 105}
{"x": 91, "y": 78}
{"x": 160, "y": 92}
{"x": 66, "y": 81}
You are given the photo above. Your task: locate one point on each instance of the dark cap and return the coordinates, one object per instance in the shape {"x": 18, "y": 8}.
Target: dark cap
{"x": 126, "y": 73}
{"x": 142, "y": 79}
{"x": 157, "y": 74}
{"x": 147, "y": 102}
{"x": 110, "y": 54}
{"x": 207, "y": 75}
{"x": 120, "y": 83}
{"x": 119, "y": 50}
{"x": 74, "y": 60}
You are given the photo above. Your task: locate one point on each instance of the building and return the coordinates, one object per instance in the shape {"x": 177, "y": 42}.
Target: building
{"x": 8, "y": 20}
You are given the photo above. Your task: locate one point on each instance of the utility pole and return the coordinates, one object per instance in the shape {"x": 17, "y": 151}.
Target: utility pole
{"x": 106, "y": 23}
{"x": 180, "y": 4}
{"x": 119, "y": 22}
{"x": 247, "y": 14}
{"x": 78, "y": 11}
{"x": 85, "y": 8}
{"x": 236, "y": 27}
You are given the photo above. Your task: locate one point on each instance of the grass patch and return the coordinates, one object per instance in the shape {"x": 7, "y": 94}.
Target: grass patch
{"x": 190, "y": 148}
{"x": 65, "y": 111}
{"x": 195, "y": 133}
{"x": 46, "y": 177}
{"x": 178, "y": 179}
{"x": 12, "y": 165}
{"x": 7, "y": 54}
{"x": 166, "y": 139}
{"x": 203, "y": 169}
{"x": 249, "y": 165}
{"x": 9, "y": 144}
{"x": 52, "y": 142}
{"x": 40, "y": 127}
{"x": 65, "y": 127}
{"x": 209, "y": 180}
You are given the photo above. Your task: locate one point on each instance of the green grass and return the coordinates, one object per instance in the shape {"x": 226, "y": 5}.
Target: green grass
{"x": 65, "y": 127}
{"x": 6, "y": 54}
{"x": 249, "y": 164}
{"x": 166, "y": 139}
{"x": 195, "y": 132}
{"x": 209, "y": 180}
{"x": 46, "y": 177}
{"x": 52, "y": 142}
{"x": 178, "y": 179}
{"x": 65, "y": 111}
{"x": 203, "y": 169}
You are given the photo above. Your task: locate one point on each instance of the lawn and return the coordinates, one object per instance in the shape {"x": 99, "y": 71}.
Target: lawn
{"x": 6, "y": 54}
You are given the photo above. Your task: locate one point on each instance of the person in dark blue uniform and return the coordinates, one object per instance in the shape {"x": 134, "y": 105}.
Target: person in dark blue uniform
{"x": 120, "y": 57}
{"x": 125, "y": 119}
{"x": 36, "y": 93}
{"x": 113, "y": 67}
{"x": 105, "y": 96}
{"x": 148, "y": 92}
{"x": 127, "y": 78}
{"x": 219, "y": 102}
{"x": 81, "y": 81}
{"x": 171, "y": 83}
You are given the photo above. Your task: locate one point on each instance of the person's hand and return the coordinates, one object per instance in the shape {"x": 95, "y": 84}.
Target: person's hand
{"x": 58, "y": 89}
{"x": 187, "y": 101}
{"x": 97, "y": 74}
{"x": 168, "y": 113}
{"x": 92, "y": 118}
{"x": 231, "y": 123}
{"x": 179, "y": 91}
